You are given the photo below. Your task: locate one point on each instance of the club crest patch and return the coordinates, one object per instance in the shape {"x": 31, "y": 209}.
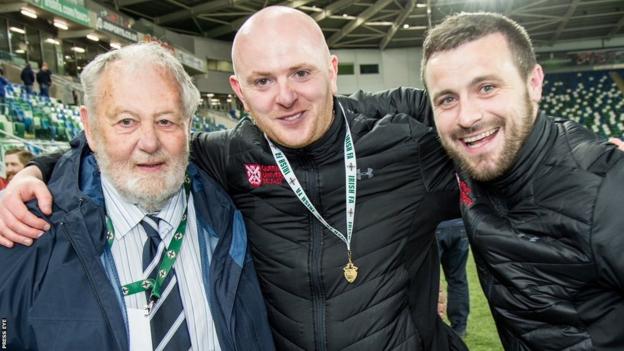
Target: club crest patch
{"x": 465, "y": 193}
{"x": 259, "y": 175}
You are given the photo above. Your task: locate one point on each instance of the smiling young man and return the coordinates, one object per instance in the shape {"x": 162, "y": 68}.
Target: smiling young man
{"x": 289, "y": 86}
{"x": 346, "y": 256}
{"x": 340, "y": 206}
{"x": 541, "y": 196}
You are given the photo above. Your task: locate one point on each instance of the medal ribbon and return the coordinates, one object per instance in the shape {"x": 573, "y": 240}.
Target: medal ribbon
{"x": 170, "y": 255}
{"x": 350, "y": 182}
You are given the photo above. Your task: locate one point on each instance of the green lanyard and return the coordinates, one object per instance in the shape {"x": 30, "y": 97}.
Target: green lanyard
{"x": 170, "y": 255}
{"x": 350, "y": 164}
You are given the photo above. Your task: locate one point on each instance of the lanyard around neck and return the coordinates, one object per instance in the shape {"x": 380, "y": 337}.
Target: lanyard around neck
{"x": 169, "y": 256}
{"x": 350, "y": 166}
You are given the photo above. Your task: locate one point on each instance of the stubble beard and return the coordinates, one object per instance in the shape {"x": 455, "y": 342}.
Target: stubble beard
{"x": 325, "y": 116}
{"x": 150, "y": 193}
{"x": 506, "y": 158}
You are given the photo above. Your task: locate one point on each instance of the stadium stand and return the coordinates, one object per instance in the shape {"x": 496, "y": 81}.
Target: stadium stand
{"x": 34, "y": 117}
{"x": 42, "y": 124}
{"x": 592, "y": 98}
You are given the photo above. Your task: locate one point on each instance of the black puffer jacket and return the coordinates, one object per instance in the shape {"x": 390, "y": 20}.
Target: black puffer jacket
{"x": 548, "y": 238}
{"x": 406, "y": 186}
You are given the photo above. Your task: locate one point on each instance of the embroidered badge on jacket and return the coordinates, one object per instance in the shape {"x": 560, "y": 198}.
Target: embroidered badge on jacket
{"x": 259, "y": 175}
{"x": 465, "y": 193}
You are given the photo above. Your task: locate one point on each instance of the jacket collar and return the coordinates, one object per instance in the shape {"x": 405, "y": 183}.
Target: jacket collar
{"x": 79, "y": 216}
{"x": 74, "y": 172}
{"x": 532, "y": 153}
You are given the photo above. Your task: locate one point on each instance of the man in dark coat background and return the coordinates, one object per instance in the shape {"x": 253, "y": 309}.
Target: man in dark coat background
{"x": 44, "y": 79}
{"x": 28, "y": 78}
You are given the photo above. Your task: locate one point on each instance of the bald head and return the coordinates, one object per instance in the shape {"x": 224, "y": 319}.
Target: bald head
{"x": 278, "y": 23}
{"x": 285, "y": 76}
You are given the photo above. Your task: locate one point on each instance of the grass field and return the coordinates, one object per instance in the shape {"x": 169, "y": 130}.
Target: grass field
{"x": 481, "y": 333}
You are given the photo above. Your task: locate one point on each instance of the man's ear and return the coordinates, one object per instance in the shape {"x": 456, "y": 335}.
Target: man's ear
{"x": 333, "y": 74}
{"x": 235, "y": 84}
{"x": 88, "y": 128}
{"x": 534, "y": 83}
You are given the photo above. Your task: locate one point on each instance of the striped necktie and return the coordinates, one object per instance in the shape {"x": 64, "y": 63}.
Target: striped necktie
{"x": 167, "y": 320}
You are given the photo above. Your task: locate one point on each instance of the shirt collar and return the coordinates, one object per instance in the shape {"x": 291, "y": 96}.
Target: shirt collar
{"x": 126, "y": 215}
{"x": 171, "y": 214}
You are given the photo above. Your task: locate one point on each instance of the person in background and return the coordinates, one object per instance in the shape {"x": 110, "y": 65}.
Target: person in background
{"x": 44, "y": 79}
{"x": 3, "y": 84}
{"x": 541, "y": 196}
{"x": 453, "y": 249}
{"x": 15, "y": 160}
{"x": 28, "y": 78}
{"x": 75, "y": 97}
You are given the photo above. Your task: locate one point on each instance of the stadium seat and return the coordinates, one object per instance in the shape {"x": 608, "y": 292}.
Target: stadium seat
{"x": 590, "y": 98}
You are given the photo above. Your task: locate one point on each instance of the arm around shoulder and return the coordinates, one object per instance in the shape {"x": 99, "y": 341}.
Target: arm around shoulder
{"x": 411, "y": 101}
{"x": 439, "y": 176}
{"x": 209, "y": 151}
{"x": 17, "y": 223}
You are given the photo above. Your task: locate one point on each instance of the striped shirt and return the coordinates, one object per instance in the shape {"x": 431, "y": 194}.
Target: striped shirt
{"x": 127, "y": 251}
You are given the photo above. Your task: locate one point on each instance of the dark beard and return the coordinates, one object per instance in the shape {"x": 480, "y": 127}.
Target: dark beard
{"x": 511, "y": 148}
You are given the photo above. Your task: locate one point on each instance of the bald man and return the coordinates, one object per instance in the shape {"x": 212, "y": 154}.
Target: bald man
{"x": 340, "y": 206}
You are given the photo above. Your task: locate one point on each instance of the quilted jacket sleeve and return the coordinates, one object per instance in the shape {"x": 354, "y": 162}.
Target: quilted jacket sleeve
{"x": 46, "y": 163}
{"x": 411, "y": 101}
{"x": 438, "y": 174}
{"x": 209, "y": 150}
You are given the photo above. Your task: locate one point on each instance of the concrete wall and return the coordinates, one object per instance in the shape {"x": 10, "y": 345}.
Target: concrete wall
{"x": 401, "y": 67}
{"x": 397, "y": 67}
{"x": 212, "y": 49}
{"x": 214, "y": 82}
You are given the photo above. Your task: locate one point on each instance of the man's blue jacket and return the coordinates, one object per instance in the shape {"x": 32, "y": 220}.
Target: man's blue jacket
{"x": 63, "y": 292}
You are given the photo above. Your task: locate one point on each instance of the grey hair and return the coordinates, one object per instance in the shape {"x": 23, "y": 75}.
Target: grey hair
{"x": 139, "y": 55}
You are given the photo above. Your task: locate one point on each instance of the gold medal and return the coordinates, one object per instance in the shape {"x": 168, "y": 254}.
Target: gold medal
{"x": 350, "y": 270}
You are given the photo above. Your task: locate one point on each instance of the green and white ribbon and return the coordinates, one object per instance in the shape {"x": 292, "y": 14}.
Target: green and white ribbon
{"x": 170, "y": 255}
{"x": 350, "y": 184}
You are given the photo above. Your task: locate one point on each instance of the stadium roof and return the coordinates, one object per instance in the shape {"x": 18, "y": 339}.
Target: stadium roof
{"x": 385, "y": 23}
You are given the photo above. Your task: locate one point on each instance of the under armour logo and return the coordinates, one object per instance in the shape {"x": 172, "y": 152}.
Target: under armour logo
{"x": 530, "y": 238}
{"x": 369, "y": 173}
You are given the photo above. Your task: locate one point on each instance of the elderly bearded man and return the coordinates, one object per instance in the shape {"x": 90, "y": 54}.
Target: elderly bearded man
{"x": 145, "y": 251}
